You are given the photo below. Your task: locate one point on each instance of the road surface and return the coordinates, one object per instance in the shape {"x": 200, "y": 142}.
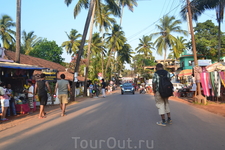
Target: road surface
{"x": 118, "y": 122}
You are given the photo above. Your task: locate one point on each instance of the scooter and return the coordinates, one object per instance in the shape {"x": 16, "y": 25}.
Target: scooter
{"x": 142, "y": 91}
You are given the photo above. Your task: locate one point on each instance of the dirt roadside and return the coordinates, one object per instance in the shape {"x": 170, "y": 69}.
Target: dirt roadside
{"x": 213, "y": 107}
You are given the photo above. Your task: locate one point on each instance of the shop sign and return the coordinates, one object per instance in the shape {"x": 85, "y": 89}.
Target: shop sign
{"x": 50, "y": 75}
{"x": 205, "y": 62}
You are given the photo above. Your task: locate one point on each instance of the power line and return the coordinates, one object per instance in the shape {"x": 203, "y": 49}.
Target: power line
{"x": 134, "y": 35}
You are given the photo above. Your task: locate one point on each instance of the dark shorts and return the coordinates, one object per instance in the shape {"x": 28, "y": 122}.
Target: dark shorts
{"x": 43, "y": 99}
{"x": 31, "y": 102}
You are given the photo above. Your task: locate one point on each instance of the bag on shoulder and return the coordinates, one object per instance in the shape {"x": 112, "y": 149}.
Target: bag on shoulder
{"x": 165, "y": 85}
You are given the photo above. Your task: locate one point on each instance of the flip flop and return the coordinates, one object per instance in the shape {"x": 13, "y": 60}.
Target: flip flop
{"x": 62, "y": 115}
{"x": 41, "y": 117}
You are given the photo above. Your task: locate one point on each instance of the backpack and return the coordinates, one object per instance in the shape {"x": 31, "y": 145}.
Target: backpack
{"x": 165, "y": 85}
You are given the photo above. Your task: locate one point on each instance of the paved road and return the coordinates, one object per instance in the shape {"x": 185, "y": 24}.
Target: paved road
{"x": 118, "y": 122}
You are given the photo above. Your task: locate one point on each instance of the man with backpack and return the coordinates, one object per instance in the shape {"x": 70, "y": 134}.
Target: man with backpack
{"x": 163, "y": 89}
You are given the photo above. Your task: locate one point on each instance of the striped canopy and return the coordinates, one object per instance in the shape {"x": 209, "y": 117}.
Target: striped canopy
{"x": 186, "y": 72}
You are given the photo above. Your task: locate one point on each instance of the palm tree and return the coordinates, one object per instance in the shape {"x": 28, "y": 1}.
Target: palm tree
{"x": 145, "y": 46}
{"x": 168, "y": 26}
{"x": 179, "y": 47}
{"x": 129, "y": 3}
{"x": 84, "y": 3}
{"x": 29, "y": 41}
{"x": 103, "y": 19}
{"x": 77, "y": 9}
{"x": 18, "y": 30}
{"x": 199, "y": 6}
{"x": 115, "y": 41}
{"x": 72, "y": 46}
{"x": 105, "y": 22}
{"x": 6, "y": 34}
{"x": 125, "y": 54}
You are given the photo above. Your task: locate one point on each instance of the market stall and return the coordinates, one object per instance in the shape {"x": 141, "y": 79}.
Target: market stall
{"x": 17, "y": 76}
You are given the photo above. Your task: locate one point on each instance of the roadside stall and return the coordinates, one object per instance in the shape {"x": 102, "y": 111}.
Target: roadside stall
{"x": 18, "y": 75}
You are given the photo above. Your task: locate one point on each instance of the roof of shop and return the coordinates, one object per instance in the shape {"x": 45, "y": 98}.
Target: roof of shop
{"x": 19, "y": 66}
{"x": 68, "y": 75}
{"x": 29, "y": 60}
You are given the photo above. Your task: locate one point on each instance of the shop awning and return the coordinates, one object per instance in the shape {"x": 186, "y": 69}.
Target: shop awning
{"x": 186, "y": 72}
{"x": 19, "y": 66}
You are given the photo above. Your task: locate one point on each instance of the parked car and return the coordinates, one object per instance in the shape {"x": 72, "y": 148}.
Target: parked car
{"x": 127, "y": 88}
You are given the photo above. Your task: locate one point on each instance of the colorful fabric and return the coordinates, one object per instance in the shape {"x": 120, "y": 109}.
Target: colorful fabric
{"x": 186, "y": 72}
{"x": 216, "y": 83}
{"x": 205, "y": 82}
{"x": 222, "y": 77}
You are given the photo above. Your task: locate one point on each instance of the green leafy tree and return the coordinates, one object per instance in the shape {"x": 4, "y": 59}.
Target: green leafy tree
{"x": 165, "y": 39}
{"x": 139, "y": 62}
{"x": 105, "y": 22}
{"x": 85, "y": 4}
{"x": 115, "y": 41}
{"x": 97, "y": 49}
{"x": 206, "y": 37}
{"x": 6, "y": 33}
{"x": 73, "y": 43}
{"x": 103, "y": 19}
{"x": 145, "y": 46}
{"x": 178, "y": 47}
{"x": 198, "y": 7}
{"x": 48, "y": 50}
{"x": 125, "y": 54}
{"x": 29, "y": 40}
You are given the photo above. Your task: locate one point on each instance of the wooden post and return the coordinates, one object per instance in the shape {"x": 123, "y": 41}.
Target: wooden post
{"x": 199, "y": 98}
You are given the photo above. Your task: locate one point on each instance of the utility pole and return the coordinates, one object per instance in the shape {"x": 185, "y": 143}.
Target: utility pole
{"x": 199, "y": 98}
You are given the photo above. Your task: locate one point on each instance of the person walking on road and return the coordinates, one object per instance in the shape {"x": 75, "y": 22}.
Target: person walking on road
{"x": 95, "y": 89}
{"x": 103, "y": 85}
{"x": 40, "y": 89}
{"x": 91, "y": 89}
{"x": 161, "y": 103}
{"x": 63, "y": 87}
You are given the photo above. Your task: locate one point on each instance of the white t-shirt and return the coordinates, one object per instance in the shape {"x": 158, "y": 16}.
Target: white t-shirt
{"x": 31, "y": 90}
{"x": 2, "y": 91}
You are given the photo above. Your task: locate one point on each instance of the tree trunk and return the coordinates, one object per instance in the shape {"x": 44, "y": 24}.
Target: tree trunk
{"x": 164, "y": 57}
{"x": 80, "y": 52}
{"x": 109, "y": 59}
{"x": 121, "y": 15}
{"x": 102, "y": 59}
{"x": 219, "y": 37}
{"x": 18, "y": 32}
{"x": 103, "y": 65}
{"x": 89, "y": 50}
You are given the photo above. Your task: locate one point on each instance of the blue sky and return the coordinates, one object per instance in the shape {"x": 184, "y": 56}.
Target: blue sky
{"x": 52, "y": 18}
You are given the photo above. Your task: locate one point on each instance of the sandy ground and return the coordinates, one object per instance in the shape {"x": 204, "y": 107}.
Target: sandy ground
{"x": 217, "y": 108}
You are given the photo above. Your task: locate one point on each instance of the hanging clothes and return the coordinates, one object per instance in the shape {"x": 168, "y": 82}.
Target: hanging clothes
{"x": 205, "y": 81}
{"x": 222, "y": 77}
{"x": 216, "y": 83}
{"x": 197, "y": 71}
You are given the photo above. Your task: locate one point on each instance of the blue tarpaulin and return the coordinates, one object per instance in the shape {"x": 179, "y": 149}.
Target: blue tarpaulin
{"x": 19, "y": 66}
